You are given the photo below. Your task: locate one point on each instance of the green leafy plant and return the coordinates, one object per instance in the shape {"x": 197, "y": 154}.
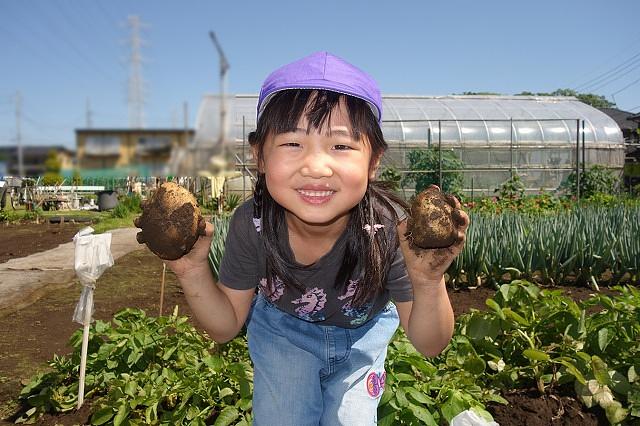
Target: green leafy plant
{"x": 132, "y": 202}
{"x": 432, "y": 392}
{"x": 220, "y": 229}
{"x": 424, "y": 166}
{"x": 391, "y": 176}
{"x": 148, "y": 370}
{"x": 145, "y": 370}
{"x": 120, "y": 211}
{"x": 543, "y": 338}
{"x": 584, "y": 246}
{"x": 8, "y": 216}
{"x": 511, "y": 190}
{"x": 31, "y": 214}
{"x": 232, "y": 201}
{"x": 596, "y": 179}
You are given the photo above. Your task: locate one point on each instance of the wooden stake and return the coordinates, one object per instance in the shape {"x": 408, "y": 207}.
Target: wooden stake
{"x": 85, "y": 344}
{"x": 164, "y": 270}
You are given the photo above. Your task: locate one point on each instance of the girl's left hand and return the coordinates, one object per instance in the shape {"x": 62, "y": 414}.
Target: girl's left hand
{"x": 429, "y": 265}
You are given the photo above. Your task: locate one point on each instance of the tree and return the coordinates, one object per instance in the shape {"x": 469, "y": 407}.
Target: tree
{"x": 52, "y": 167}
{"x": 481, "y": 93}
{"x": 596, "y": 101}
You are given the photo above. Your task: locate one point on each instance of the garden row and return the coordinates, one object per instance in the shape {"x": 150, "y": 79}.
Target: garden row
{"x": 585, "y": 244}
{"x": 162, "y": 371}
{"x": 145, "y": 370}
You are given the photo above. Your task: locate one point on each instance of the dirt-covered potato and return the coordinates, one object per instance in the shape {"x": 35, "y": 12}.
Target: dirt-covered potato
{"x": 431, "y": 224}
{"x": 171, "y": 222}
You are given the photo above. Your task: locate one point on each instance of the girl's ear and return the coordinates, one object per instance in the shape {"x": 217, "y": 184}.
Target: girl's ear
{"x": 374, "y": 167}
{"x": 257, "y": 158}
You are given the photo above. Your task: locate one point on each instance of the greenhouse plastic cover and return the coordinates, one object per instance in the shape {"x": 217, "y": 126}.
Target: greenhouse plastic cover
{"x": 464, "y": 119}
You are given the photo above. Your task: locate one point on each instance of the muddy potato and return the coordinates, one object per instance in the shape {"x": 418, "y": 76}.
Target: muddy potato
{"x": 431, "y": 223}
{"x": 171, "y": 222}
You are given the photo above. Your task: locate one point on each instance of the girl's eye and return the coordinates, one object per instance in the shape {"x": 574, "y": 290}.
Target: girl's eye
{"x": 342, "y": 147}
{"x": 292, "y": 144}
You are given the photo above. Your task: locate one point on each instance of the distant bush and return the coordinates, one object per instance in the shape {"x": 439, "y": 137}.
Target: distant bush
{"x": 121, "y": 211}
{"x": 597, "y": 179}
{"x": 133, "y": 203}
{"x": 8, "y": 216}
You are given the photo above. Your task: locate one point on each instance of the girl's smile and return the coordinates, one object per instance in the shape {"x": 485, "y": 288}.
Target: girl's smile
{"x": 316, "y": 194}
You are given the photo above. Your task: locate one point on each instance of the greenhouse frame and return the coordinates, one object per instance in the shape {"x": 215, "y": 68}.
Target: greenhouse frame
{"x": 542, "y": 139}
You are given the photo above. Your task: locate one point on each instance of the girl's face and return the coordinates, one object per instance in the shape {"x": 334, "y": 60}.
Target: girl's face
{"x": 318, "y": 177}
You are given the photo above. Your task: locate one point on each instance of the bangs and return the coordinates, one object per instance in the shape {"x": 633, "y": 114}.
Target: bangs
{"x": 286, "y": 108}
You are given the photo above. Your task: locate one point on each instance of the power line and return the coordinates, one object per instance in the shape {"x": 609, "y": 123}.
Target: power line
{"x": 51, "y": 24}
{"x": 46, "y": 37}
{"x": 618, "y": 77}
{"x": 30, "y": 49}
{"x": 626, "y": 87}
{"x": 605, "y": 64}
{"x": 44, "y": 126}
{"x": 603, "y": 77}
{"x": 106, "y": 14}
{"x": 86, "y": 23}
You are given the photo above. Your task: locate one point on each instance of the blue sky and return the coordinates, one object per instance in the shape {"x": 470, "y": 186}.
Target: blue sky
{"x": 59, "y": 53}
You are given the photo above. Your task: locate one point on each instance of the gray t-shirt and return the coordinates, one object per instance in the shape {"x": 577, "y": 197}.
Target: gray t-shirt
{"x": 243, "y": 267}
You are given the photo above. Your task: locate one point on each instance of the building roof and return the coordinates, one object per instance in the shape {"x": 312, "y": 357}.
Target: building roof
{"x": 622, "y": 118}
{"x": 35, "y": 150}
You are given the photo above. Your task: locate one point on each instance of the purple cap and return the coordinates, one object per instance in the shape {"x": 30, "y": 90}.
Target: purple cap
{"x": 324, "y": 71}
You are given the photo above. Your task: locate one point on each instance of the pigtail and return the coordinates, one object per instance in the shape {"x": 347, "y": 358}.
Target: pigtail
{"x": 379, "y": 245}
{"x": 258, "y": 193}
{"x": 272, "y": 221}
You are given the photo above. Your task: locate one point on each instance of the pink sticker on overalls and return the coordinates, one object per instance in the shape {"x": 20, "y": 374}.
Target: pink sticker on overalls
{"x": 375, "y": 384}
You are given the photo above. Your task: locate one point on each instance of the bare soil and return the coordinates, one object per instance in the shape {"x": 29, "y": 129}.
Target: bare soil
{"x": 19, "y": 240}
{"x": 31, "y": 336}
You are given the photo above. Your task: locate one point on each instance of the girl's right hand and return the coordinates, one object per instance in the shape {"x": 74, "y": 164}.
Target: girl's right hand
{"x": 197, "y": 258}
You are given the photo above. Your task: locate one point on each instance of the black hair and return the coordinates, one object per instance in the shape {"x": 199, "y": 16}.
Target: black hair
{"x": 370, "y": 252}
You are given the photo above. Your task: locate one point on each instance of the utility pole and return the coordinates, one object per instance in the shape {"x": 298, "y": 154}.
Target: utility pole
{"x": 88, "y": 114}
{"x": 188, "y": 148}
{"x": 224, "y": 67}
{"x": 135, "y": 98}
{"x": 18, "y": 134}
{"x": 185, "y": 110}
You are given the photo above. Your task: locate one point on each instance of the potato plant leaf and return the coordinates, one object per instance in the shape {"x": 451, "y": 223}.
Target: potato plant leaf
{"x": 536, "y": 355}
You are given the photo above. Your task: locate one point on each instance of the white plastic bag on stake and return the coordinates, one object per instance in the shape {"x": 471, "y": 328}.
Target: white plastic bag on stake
{"x": 92, "y": 258}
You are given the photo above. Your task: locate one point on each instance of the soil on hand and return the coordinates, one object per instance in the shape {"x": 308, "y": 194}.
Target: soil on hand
{"x": 171, "y": 222}
{"x": 30, "y": 336}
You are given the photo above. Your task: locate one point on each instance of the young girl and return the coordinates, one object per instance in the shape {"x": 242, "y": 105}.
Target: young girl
{"x": 326, "y": 248}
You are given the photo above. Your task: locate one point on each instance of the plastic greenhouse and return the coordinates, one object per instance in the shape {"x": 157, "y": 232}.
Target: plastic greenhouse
{"x": 540, "y": 138}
